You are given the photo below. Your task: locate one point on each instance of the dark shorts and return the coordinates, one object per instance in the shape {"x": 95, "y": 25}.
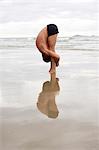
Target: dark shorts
{"x": 46, "y": 58}
{"x": 52, "y": 29}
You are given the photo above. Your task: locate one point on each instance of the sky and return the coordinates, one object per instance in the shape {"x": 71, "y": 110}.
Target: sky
{"x": 28, "y": 17}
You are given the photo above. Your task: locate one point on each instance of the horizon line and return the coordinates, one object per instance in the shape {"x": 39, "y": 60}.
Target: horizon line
{"x": 58, "y": 37}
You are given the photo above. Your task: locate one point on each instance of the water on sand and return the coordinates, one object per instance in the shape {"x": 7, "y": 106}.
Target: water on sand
{"x": 38, "y": 112}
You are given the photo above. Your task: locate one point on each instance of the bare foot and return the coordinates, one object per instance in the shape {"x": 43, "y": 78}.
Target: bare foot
{"x": 57, "y": 79}
{"x": 57, "y": 61}
{"x": 52, "y": 71}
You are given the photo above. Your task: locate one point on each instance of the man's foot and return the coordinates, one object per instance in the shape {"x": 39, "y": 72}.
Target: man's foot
{"x": 52, "y": 71}
{"x": 57, "y": 79}
{"x": 57, "y": 61}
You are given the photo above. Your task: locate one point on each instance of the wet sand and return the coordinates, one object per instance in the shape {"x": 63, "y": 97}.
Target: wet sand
{"x": 37, "y": 113}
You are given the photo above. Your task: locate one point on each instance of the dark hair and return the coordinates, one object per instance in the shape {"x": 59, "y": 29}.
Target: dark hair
{"x": 46, "y": 58}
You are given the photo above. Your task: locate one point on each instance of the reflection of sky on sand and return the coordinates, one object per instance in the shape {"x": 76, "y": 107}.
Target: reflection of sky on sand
{"x": 23, "y": 76}
{"x": 76, "y": 126}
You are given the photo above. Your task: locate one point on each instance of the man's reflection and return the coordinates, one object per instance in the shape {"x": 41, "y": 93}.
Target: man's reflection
{"x": 46, "y": 100}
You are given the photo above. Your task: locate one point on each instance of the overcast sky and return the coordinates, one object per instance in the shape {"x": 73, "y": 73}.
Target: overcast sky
{"x": 27, "y": 17}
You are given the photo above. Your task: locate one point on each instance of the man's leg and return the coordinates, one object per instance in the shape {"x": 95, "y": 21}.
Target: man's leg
{"x": 54, "y": 56}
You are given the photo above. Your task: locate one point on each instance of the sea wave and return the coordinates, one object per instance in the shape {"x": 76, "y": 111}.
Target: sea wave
{"x": 76, "y": 42}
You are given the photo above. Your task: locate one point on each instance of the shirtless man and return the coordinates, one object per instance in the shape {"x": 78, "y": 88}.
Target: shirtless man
{"x": 45, "y": 42}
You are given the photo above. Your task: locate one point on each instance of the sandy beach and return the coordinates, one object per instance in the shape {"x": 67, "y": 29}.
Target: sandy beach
{"x": 36, "y": 116}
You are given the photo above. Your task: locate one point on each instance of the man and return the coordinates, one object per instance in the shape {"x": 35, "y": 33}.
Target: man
{"x": 45, "y": 42}
{"x": 46, "y": 103}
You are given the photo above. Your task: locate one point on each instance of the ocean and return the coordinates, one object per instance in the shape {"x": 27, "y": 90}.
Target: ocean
{"x": 76, "y": 42}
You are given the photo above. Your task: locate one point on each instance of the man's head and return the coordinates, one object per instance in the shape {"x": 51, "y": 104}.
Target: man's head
{"x": 46, "y": 58}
